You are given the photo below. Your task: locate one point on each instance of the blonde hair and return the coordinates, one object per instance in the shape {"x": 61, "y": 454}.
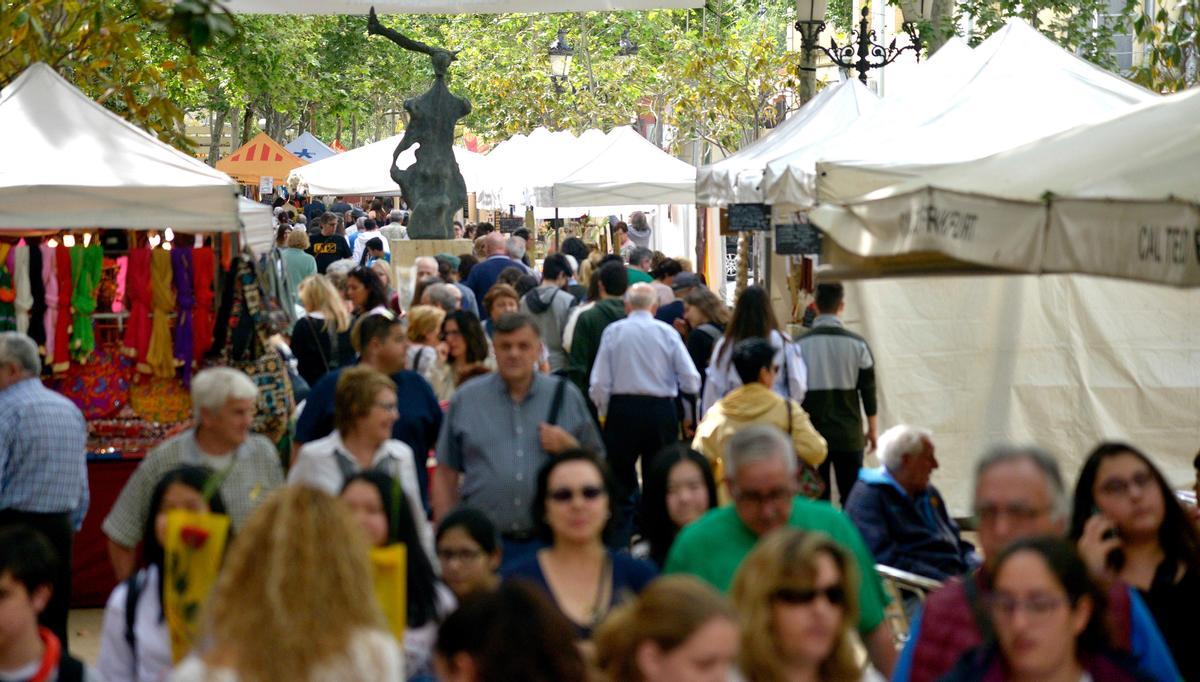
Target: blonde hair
{"x": 297, "y": 239}
{"x": 294, "y": 589}
{"x": 787, "y": 558}
{"x": 588, "y": 268}
{"x": 355, "y": 395}
{"x": 317, "y": 294}
{"x": 384, "y": 270}
{"x": 479, "y": 248}
{"x": 423, "y": 319}
{"x": 668, "y": 612}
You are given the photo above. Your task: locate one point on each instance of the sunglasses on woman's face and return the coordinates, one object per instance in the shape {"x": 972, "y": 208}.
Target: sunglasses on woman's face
{"x": 835, "y": 595}
{"x": 588, "y": 492}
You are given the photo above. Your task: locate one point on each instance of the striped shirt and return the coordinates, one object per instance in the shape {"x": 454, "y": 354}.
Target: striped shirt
{"x": 43, "y": 452}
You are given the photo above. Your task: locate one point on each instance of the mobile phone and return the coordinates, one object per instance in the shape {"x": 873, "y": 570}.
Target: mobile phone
{"x": 1115, "y": 558}
{"x": 1111, "y": 532}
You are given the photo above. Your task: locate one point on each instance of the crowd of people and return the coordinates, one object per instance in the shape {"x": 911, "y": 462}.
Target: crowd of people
{"x": 597, "y": 471}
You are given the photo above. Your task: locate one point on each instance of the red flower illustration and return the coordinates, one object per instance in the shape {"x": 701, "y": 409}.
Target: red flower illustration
{"x": 193, "y": 537}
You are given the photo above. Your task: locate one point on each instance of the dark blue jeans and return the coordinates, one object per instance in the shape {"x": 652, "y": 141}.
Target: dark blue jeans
{"x": 846, "y": 464}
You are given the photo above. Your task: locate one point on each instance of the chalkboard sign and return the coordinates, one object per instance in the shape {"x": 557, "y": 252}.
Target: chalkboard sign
{"x": 509, "y": 225}
{"x": 749, "y": 218}
{"x": 795, "y": 239}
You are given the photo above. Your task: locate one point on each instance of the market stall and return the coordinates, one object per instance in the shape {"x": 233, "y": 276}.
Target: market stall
{"x": 260, "y": 164}
{"x": 306, "y": 146}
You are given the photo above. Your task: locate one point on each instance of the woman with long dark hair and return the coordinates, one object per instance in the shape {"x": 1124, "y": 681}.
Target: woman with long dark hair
{"x": 377, "y": 503}
{"x": 677, "y": 488}
{"x": 466, "y": 344}
{"x": 753, "y": 317}
{"x": 366, "y": 292}
{"x": 1129, "y": 526}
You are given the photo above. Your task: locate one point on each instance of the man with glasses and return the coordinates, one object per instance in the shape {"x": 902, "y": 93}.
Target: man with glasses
{"x": 1019, "y": 493}
{"x": 761, "y": 478}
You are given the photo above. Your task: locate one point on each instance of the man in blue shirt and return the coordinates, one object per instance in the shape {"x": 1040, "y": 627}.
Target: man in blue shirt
{"x": 381, "y": 344}
{"x": 484, "y": 275}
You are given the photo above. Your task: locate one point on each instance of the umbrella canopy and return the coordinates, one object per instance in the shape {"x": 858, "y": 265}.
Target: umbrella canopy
{"x": 306, "y": 146}
{"x": 737, "y": 179}
{"x": 69, "y": 162}
{"x": 627, "y": 170}
{"x": 1119, "y": 198}
{"x": 260, "y": 157}
{"x": 447, "y": 6}
{"x": 366, "y": 170}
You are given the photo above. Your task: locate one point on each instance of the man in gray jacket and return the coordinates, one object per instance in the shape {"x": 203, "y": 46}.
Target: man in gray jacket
{"x": 549, "y": 305}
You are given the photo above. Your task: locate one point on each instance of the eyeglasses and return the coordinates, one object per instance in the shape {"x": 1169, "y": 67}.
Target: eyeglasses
{"x": 387, "y": 407}
{"x": 834, "y": 594}
{"x": 756, "y": 498}
{"x": 991, "y": 513}
{"x": 464, "y": 555}
{"x": 588, "y": 492}
{"x": 1037, "y": 606}
{"x": 448, "y": 333}
{"x": 1123, "y": 486}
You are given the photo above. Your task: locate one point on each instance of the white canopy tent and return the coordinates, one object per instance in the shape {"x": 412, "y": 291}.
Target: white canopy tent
{"x": 627, "y": 170}
{"x": 523, "y": 164}
{"x": 737, "y": 179}
{"x": 308, "y": 147}
{"x": 365, "y": 171}
{"x": 448, "y": 6}
{"x": 259, "y": 224}
{"x": 1119, "y": 198}
{"x": 69, "y": 162}
{"x": 1025, "y": 87}
{"x": 790, "y": 180}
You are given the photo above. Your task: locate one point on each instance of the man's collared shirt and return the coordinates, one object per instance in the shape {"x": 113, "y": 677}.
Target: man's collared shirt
{"x": 255, "y": 471}
{"x": 43, "y": 452}
{"x": 496, "y": 444}
{"x": 640, "y": 355}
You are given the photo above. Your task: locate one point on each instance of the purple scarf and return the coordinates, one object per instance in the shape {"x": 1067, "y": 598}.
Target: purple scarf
{"x": 185, "y": 300}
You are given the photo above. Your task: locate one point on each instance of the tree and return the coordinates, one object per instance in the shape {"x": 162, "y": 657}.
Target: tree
{"x": 1172, "y": 40}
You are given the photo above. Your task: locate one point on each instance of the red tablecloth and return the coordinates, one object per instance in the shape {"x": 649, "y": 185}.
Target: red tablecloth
{"x": 92, "y": 577}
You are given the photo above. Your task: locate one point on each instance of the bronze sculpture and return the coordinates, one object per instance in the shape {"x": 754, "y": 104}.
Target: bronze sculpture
{"x": 433, "y": 186}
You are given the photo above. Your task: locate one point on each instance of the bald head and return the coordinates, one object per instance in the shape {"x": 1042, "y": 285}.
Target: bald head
{"x": 426, "y": 266}
{"x": 494, "y": 244}
{"x": 641, "y": 296}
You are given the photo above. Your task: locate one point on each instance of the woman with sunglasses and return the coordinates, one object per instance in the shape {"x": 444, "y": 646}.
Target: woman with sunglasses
{"x": 469, "y": 550}
{"x": 1130, "y": 527}
{"x": 1048, "y": 620}
{"x": 573, "y": 515}
{"x": 797, "y": 595}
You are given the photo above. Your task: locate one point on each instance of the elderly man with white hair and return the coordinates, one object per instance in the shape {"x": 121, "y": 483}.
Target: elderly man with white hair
{"x": 247, "y": 464}
{"x": 902, "y": 516}
{"x": 641, "y": 368}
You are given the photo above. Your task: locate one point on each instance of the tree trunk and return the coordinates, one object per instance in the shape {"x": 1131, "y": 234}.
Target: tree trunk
{"x": 353, "y": 131}
{"x": 943, "y": 26}
{"x": 235, "y": 119}
{"x": 743, "y": 263}
{"x": 247, "y": 124}
{"x": 337, "y": 137}
{"x": 216, "y": 135}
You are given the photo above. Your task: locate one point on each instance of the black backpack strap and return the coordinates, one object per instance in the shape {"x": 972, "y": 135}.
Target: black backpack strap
{"x": 417, "y": 361}
{"x": 70, "y": 669}
{"x": 978, "y": 608}
{"x": 556, "y": 402}
{"x": 133, "y": 592}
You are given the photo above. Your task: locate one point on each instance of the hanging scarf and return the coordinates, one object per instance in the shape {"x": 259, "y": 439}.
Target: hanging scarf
{"x": 62, "y": 320}
{"x": 37, "y": 292}
{"x": 160, "y": 359}
{"x": 86, "y": 264}
{"x": 137, "y": 287}
{"x": 8, "y": 295}
{"x": 50, "y": 284}
{"x": 181, "y": 266}
{"x": 22, "y": 285}
{"x": 203, "y": 268}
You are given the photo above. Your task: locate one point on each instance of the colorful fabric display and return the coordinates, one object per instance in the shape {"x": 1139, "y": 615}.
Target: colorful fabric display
{"x": 160, "y": 356}
{"x": 22, "y": 285}
{"x": 185, "y": 303}
{"x": 137, "y": 286}
{"x": 100, "y": 387}
{"x": 203, "y": 268}
{"x": 50, "y": 285}
{"x": 8, "y": 295}
{"x": 86, "y": 264}
{"x": 37, "y": 291}
{"x": 63, "y": 318}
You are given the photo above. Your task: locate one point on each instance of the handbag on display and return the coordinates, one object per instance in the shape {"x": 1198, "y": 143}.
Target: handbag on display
{"x": 263, "y": 365}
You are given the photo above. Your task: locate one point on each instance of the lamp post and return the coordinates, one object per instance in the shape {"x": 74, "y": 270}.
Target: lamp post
{"x": 560, "y": 60}
{"x": 861, "y": 52}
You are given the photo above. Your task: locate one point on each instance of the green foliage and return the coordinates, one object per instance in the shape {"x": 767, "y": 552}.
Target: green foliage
{"x": 1074, "y": 24}
{"x": 1172, "y": 40}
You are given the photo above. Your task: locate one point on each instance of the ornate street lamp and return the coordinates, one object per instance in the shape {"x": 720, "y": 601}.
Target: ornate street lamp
{"x": 628, "y": 47}
{"x": 560, "y": 60}
{"x": 861, "y": 52}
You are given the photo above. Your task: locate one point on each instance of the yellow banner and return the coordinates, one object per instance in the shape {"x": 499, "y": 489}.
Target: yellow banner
{"x": 192, "y": 551}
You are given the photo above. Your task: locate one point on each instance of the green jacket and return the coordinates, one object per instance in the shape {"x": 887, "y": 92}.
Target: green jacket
{"x": 586, "y": 341}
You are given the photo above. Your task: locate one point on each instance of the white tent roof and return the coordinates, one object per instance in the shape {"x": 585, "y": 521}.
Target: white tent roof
{"x": 1026, "y": 87}
{"x": 628, "y": 169}
{"x": 360, "y": 7}
{"x": 523, "y": 164}
{"x": 259, "y": 224}
{"x": 95, "y": 169}
{"x": 366, "y": 170}
{"x": 737, "y": 179}
{"x": 308, "y": 147}
{"x": 1123, "y": 196}
{"x": 791, "y": 179}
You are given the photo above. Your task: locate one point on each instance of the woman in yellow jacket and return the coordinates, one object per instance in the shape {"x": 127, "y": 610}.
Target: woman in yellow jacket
{"x": 755, "y": 403}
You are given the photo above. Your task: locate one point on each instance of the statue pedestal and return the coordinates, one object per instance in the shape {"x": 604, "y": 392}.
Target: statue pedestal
{"x": 405, "y": 252}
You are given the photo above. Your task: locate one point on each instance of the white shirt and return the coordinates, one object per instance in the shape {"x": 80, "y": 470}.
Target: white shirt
{"x": 371, "y": 656}
{"x": 360, "y": 243}
{"x": 640, "y": 355}
{"x": 316, "y": 466}
{"x": 153, "y": 642}
{"x": 722, "y": 377}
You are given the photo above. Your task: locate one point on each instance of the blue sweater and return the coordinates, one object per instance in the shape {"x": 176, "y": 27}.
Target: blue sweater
{"x": 484, "y": 275}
